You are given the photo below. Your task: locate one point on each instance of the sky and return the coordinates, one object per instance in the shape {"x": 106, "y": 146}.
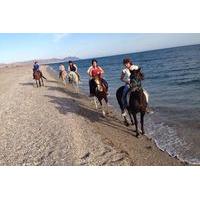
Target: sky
{"x": 27, "y": 46}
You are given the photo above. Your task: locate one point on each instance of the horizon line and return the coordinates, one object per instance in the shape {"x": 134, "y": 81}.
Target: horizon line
{"x": 98, "y": 56}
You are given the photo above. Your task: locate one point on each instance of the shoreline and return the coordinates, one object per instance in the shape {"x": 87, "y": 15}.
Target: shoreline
{"x": 53, "y": 125}
{"x": 117, "y": 113}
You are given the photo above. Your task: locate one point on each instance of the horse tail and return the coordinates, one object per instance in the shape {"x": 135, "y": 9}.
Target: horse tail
{"x": 44, "y": 77}
{"x": 119, "y": 96}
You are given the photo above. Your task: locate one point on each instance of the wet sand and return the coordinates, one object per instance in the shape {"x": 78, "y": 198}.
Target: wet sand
{"x": 53, "y": 125}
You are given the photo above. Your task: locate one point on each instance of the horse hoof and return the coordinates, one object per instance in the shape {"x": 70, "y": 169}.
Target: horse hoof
{"x": 126, "y": 124}
{"x": 142, "y": 133}
{"x": 137, "y": 134}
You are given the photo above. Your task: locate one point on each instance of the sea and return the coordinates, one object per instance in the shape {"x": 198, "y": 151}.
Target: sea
{"x": 172, "y": 78}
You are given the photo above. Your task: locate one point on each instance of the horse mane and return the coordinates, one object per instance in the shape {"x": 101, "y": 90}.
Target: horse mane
{"x": 137, "y": 74}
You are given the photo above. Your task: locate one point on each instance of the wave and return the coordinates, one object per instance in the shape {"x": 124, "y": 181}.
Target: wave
{"x": 167, "y": 139}
{"x": 188, "y": 82}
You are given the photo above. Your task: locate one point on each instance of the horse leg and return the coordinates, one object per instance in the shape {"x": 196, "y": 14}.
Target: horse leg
{"x": 142, "y": 122}
{"x": 63, "y": 80}
{"x": 95, "y": 102}
{"x": 39, "y": 83}
{"x": 65, "y": 83}
{"x": 102, "y": 107}
{"x": 36, "y": 82}
{"x": 130, "y": 117}
{"x": 42, "y": 81}
{"x": 77, "y": 88}
{"x": 136, "y": 124}
{"x": 126, "y": 123}
{"x": 106, "y": 101}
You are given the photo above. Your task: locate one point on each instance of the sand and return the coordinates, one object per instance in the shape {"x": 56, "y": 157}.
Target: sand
{"x": 52, "y": 125}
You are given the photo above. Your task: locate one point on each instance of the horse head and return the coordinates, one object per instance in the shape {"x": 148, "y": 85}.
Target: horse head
{"x": 136, "y": 77}
{"x": 137, "y": 74}
{"x": 99, "y": 84}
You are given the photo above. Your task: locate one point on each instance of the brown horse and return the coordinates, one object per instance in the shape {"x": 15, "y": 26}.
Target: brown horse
{"x": 137, "y": 101}
{"x": 101, "y": 94}
{"x": 38, "y": 78}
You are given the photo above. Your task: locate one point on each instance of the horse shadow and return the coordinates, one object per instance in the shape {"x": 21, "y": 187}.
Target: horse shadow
{"x": 52, "y": 81}
{"x": 73, "y": 105}
{"x": 67, "y": 91}
{"x": 26, "y": 84}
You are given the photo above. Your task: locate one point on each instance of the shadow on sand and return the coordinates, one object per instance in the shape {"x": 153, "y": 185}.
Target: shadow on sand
{"x": 75, "y": 105}
{"x": 67, "y": 91}
{"x": 52, "y": 81}
{"x": 27, "y": 84}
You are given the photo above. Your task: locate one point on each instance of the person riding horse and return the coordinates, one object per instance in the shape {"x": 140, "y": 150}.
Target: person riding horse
{"x": 128, "y": 76}
{"x": 62, "y": 73}
{"x": 36, "y": 68}
{"x": 73, "y": 68}
{"x": 61, "y": 70}
{"x": 95, "y": 71}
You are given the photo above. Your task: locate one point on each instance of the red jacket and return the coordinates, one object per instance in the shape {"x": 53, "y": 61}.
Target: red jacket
{"x": 96, "y": 72}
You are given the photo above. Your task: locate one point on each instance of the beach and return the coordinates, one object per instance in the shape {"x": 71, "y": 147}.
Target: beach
{"x": 53, "y": 125}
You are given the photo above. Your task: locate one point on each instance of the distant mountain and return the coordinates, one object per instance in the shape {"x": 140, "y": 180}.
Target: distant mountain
{"x": 41, "y": 61}
{"x": 57, "y": 60}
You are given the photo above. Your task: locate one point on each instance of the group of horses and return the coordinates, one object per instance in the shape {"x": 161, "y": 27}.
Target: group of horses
{"x": 137, "y": 99}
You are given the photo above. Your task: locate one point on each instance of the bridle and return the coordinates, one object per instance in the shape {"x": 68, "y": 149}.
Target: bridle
{"x": 99, "y": 84}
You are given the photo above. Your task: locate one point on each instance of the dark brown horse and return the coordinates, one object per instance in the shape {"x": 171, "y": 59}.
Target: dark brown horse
{"x": 38, "y": 78}
{"x": 137, "y": 101}
{"x": 101, "y": 94}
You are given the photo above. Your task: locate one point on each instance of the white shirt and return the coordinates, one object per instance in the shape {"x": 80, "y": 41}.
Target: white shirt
{"x": 127, "y": 72}
{"x": 61, "y": 67}
{"x": 127, "y": 75}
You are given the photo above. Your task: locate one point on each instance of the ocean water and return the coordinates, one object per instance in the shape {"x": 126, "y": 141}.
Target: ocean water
{"x": 172, "y": 78}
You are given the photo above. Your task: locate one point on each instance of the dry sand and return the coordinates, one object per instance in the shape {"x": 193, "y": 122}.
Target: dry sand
{"x": 52, "y": 125}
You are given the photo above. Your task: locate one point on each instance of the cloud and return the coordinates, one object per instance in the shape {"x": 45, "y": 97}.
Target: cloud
{"x": 59, "y": 36}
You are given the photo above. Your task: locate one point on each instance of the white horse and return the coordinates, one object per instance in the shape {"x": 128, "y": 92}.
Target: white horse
{"x": 74, "y": 80}
{"x": 63, "y": 76}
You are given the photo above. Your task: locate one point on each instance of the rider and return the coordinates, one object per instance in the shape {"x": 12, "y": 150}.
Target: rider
{"x": 73, "y": 68}
{"x": 61, "y": 69}
{"x": 125, "y": 77}
{"x": 36, "y": 67}
{"x": 93, "y": 71}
